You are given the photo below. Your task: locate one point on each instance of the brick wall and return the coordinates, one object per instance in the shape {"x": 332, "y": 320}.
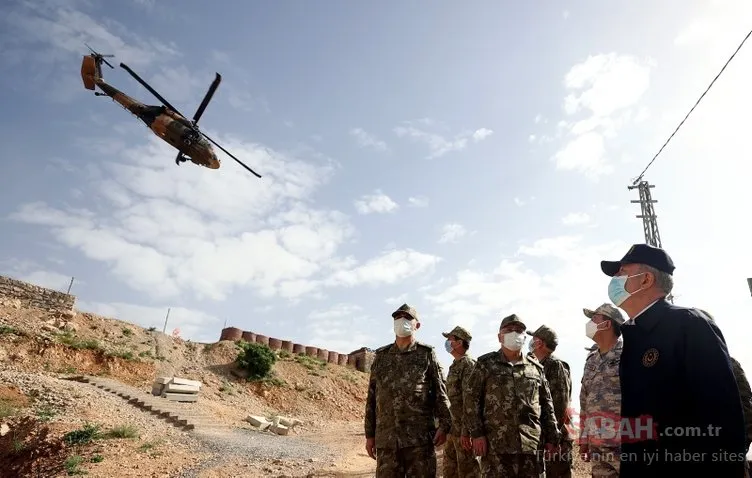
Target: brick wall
{"x": 31, "y": 295}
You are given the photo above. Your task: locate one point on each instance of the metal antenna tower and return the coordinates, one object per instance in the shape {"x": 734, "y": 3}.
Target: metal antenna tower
{"x": 649, "y": 218}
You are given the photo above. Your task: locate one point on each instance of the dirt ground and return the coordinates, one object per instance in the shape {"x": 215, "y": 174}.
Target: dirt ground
{"x": 53, "y": 427}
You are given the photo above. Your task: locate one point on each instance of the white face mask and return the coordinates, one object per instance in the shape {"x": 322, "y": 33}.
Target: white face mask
{"x": 403, "y": 327}
{"x": 514, "y": 340}
{"x": 591, "y": 328}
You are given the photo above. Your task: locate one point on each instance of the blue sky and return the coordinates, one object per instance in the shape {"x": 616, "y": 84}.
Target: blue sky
{"x": 472, "y": 160}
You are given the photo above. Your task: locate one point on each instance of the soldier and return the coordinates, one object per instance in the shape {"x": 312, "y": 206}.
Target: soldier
{"x": 600, "y": 391}
{"x": 508, "y": 408}
{"x": 459, "y": 461}
{"x": 543, "y": 344}
{"x": 406, "y": 396}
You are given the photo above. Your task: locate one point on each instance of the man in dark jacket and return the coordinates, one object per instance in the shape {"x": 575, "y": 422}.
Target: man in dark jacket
{"x": 680, "y": 405}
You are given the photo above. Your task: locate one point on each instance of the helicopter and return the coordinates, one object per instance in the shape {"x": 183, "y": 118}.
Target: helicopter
{"x": 163, "y": 120}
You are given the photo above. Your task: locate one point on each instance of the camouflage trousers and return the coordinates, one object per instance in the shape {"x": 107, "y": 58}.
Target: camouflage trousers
{"x": 604, "y": 462}
{"x": 410, "y": 462}
{"x": 459, "y": 463}
{"x": 512, "y": 465}
{"x": 560, "y": 464}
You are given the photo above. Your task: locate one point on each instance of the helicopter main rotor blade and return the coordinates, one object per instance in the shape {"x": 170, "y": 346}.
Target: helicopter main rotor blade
{"x": 151, "y": 90}
{"x": 100, "y": 56}
{"x": 207, "y": 97}
{"x": 233, "y": 157}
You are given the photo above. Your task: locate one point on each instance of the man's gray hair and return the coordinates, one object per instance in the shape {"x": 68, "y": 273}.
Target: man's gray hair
{"x": 663, "y": 281}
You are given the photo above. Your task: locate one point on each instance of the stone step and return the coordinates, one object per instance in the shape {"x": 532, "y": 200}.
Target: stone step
{"x": 178, "y": 414}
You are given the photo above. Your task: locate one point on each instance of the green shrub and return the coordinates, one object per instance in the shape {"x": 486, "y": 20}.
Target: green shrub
{"x": 256, "y": 359}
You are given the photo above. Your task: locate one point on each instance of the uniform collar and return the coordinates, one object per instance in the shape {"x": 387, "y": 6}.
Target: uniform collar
{"x": 394, "y": 349}
{"x": 650, "y": 316}
{"x": 524, "y": 360}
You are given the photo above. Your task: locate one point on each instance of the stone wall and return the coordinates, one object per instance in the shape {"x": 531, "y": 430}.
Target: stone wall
{"x": 31, "y": 295}
{"x": 361, "y": 359}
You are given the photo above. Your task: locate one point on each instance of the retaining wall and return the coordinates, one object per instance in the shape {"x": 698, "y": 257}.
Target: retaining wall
{"x": 360, "y": 359}
{"x": 31, "y": 295}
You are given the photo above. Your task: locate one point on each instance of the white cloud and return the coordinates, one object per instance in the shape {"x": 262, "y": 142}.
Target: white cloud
{"x": 166, "y": 230}
{"x": 519, "y": 202}
{"x": 452, "y": 232}
{"x": 367, "y": 140}
{"x": 481, "y": 134}
{"x": 575, "y": 219}
{"x": 606, "y": 86}
{"x": 418, "y": 201}
{"x": 438, "y": 144}
{"x": 390, "y": 267}
{"x": 378, "y": 202}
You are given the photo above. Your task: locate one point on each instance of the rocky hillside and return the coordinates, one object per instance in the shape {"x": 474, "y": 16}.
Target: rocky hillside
{"x": 38, "y": 348}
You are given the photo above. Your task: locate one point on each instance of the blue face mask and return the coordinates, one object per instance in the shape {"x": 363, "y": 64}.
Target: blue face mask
{"x": 616, "y": 290}
{"x": 448, "y": 346}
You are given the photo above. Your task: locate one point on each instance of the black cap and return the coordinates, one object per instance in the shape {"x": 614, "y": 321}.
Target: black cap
{"x": 641, "y": 254}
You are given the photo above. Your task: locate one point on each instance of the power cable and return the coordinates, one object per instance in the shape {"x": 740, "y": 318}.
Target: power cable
{"x": 693, "y": 107}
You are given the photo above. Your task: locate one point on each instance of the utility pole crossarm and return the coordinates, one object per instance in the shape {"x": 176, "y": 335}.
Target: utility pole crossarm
{"x": 648, "y": 216}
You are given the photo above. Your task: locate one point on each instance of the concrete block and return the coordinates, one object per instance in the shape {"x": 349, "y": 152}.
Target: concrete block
{"x": 156, "y": 389}
{"x": 256, "y": 420}
{"x": 180, "y": 397}
{"x": 279, "y": 429}
{"x": 163, "y": 380}
{"x": 185, "y": 381}
{"x": 174, "y": 387}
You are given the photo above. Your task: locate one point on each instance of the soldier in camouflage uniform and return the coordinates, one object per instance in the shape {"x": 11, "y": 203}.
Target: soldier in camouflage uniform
{"x": 543, "y": 344}
{"x": 459, "y": 461}
{"x": 600, "y": 392}
{"x": 406, "y": 396}
{"x": 508, "y": 408}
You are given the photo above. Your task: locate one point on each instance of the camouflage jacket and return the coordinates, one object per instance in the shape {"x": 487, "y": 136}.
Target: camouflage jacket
{"x": 560, "y": 384}
{"x": 600, "y": 396}
{"x": 406, "y": 394}
{"x": 456, "y": 383}
{"x": 509, "y": 404}
{"x": 745, "y": 394}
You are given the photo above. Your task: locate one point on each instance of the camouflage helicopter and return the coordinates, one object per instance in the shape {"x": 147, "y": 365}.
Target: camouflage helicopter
{"x": 164, "y": 120}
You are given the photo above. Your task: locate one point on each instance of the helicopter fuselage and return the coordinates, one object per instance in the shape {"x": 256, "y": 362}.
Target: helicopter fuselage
{"x": 168, "y": 125}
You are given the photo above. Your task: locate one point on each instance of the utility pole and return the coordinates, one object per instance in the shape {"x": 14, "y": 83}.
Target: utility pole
{"x": 70, "y": 285}
{"x": 164, "y": 329}
{"x": 749, "y": 283}
{"x": 648, "y": 216}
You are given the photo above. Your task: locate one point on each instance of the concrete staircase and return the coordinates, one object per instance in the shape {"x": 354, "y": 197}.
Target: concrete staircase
{"x": 181, "y": 415}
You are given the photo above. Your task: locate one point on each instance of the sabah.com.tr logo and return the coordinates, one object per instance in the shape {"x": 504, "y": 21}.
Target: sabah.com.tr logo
{"x": 609, "y": 429}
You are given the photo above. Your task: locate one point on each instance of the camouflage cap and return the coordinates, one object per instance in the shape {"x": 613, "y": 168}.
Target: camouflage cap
{"x": 547, "y": 335}
{"x": 406, "y": 310}
{"x": 607, "y": 310}
{"x": 460, "y": 333}
{"x": 512, "y": 319}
